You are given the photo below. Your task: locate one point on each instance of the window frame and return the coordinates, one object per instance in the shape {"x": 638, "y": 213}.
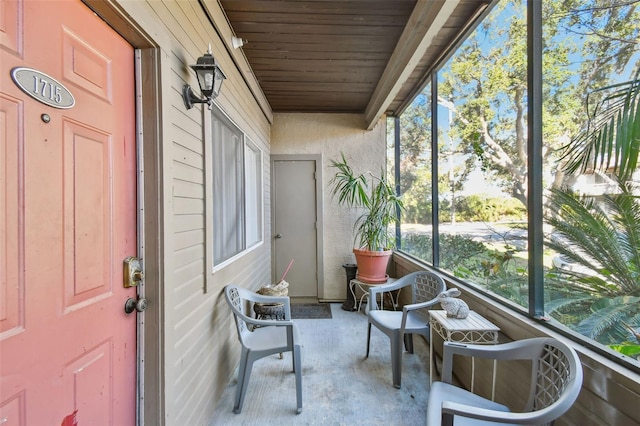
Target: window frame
{"x": 535, "y": 310}
{"x": 258, "y": 165}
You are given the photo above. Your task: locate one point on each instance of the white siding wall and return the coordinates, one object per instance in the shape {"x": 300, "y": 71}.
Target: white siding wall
{"x": 200, "y": 346}
{"x": 328, "y": 135}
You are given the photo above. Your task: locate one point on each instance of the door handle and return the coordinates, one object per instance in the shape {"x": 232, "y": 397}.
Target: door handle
{"x": 139, "y": 305}
{"x": 278, "y": 236}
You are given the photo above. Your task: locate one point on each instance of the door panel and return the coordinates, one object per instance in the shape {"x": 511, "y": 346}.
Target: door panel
{"x": 85, "y": 66}
{"x": 11, "y": 254}
{"x": 294, "y": 198}
{"x": 11, "y": 26}
{"x": 86, "y": 250}
{"x": 68, "y": 219}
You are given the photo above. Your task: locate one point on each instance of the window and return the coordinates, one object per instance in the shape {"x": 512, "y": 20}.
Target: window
{"x": 482, "y": 156}
{"x": 253, "y": 192}
{"x": 479, "y": 181}
{"x": 415, "y": 177}
{"x": 591, "y": 285}
{"x": 237, "y": 190}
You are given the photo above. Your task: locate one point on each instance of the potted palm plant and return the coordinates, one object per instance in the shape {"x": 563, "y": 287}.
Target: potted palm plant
{"x": 379, "y": 206}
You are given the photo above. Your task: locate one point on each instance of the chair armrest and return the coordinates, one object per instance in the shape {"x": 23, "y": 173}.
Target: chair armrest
{"x": 517, "y": 350}
{"x": 541, "y": 416}
{"x": 416, "y": 306}
{"x": 464, "y": 410}
{"x": 267, "y": 322}
{"x": 385, "y": 288}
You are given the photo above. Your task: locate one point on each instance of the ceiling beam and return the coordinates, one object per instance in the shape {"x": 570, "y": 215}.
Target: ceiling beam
{"x": 426, "y": 20}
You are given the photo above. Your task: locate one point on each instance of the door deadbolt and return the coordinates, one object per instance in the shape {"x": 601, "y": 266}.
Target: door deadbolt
{"x": 133, "y": 273}
{"x": 139, "y": 305}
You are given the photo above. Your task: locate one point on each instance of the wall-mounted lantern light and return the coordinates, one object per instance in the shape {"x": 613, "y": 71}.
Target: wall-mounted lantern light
{"x": 210, "y": 78}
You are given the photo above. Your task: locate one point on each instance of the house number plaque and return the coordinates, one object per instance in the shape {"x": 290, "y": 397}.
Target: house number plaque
{"x": 42, "y": 88}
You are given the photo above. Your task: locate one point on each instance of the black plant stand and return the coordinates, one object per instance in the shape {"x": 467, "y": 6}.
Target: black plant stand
{"x": 349, "y": 304}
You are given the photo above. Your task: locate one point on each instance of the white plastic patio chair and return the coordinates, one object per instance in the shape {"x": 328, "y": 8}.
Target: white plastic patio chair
{"x": 556, "y": 379}
{"x": 262, "y": 337}
{"x": 414, "y": 318}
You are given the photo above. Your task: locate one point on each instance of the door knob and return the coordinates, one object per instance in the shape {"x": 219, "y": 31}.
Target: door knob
{"x": 139, "y": 305}
{"x": 278, "y": 235}
{"x": 142, "y": 304}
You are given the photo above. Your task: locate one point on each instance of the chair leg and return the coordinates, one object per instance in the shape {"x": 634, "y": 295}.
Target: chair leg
{"x": 294, "y": 362}
{"x": 298, "y": 371}
{"x": 396, "y": 359}
{"x": 244, "y": 372}
{"x": 368, "y": 339}
{"x": 447, "y": 419}
{"x": 408, "y": 342}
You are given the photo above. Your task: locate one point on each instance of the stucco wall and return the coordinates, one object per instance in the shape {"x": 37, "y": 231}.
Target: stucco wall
{"x": 329, "y": 135}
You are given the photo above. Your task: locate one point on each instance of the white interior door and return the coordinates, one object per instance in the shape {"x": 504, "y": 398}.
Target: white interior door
{"x": 295, "y": 222}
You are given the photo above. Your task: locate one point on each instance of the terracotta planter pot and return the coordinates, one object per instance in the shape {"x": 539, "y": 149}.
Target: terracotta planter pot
{"x": 372, "y": 265}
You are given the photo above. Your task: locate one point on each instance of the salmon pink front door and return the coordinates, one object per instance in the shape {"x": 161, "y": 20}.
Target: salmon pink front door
{"x": 67, "y": 218}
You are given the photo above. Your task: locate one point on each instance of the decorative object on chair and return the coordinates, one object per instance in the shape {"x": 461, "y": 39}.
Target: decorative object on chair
{"x": 414, "y": 318}
{"x": 380, "y": 207}
{"x": 260, "y": 338}
{"x": 276, "y": 310}
{"x": 455, "y": 308}
{"x": 210, "y": 78}
{"x": 556, "y": 380}
{"x": 280, "y": 289}
{"x": 271, "y": 310}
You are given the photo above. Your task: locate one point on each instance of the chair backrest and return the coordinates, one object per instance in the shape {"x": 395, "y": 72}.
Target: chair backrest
{"x": 556, "y": 376}
{"x": 237, "y": 303}
{"x": 428, "y": 285}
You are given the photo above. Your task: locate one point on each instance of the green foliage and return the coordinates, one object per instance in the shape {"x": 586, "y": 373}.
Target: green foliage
{"x": 497, "y": 270}
{"x": 456, "y": 252}
{"x": 602, "y": 236}
{"x": 604, "y": 322}
{"x": 628, "y": 349}
{"x": 377, "y": 199}
{"x": 415, "y": 161}
{"x": 417, "y": 201}
{"x": 611, "y": 136}
{"x": 480, "y": 208}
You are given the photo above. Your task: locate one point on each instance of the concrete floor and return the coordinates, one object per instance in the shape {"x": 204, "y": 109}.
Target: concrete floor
{"x": 340, "y": 386}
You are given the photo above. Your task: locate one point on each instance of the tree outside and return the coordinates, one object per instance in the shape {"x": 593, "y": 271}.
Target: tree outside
{"x": 482, "y": 158}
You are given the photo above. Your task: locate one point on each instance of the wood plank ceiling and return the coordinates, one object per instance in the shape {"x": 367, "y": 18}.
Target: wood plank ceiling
{"x": 357, "y": 56}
